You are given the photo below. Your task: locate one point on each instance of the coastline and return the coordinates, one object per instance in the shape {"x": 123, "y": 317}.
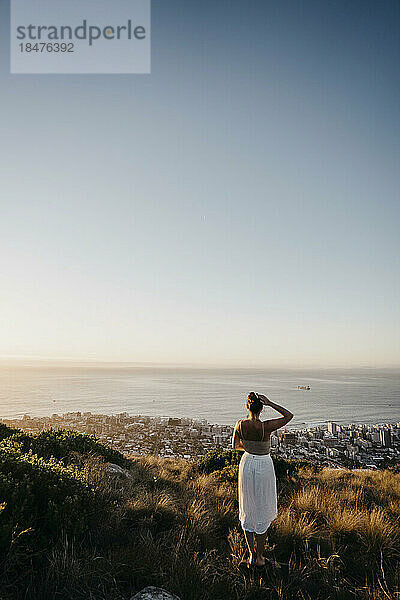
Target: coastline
{"x": 329, "y": 444}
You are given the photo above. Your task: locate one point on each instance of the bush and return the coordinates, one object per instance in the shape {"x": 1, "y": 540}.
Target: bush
{"x": 6, "y": 431}
{"x": 62, "y": 444}
{"x": 42, "y": 497}
{"x": 285, "y": 467}
{"x": 42, "y": 492}
{"x": 217, "y": 461}
{"x": 225, "y": 465}
{"x": 395, "y": 469}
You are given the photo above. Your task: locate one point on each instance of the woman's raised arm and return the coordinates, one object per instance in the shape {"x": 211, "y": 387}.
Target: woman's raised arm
{"x": 273, "y": 424}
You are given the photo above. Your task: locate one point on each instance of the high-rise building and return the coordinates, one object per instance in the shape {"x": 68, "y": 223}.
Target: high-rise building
{"x": 332, "y": 428}
{"x": 385, "y": 438}
{"x": 274, "y": 441}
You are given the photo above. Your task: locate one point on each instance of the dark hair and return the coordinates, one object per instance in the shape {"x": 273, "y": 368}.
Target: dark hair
{"x": 254, "y": 404}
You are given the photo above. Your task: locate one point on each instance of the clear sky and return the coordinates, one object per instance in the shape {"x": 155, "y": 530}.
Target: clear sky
{"x": 240, "y": 205}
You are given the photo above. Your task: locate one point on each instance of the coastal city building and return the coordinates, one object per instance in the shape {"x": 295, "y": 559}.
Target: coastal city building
{"x": 369, "y": 446}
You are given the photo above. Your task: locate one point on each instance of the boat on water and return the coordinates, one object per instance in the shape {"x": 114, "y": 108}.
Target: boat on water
{"x": 303, "y": 387}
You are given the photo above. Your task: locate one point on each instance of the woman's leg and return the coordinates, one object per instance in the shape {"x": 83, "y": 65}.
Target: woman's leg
{"x": 249, "y": 535}
{"x": 260, "y": 545}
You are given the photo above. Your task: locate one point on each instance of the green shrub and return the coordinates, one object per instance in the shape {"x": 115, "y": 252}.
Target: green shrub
{"x": 62, "y": 444}
{"x": 228, "y": 473}
{"x": 225, "y": 465}
{"x": 42, "y": 491}
{"x": 6, "y": 431}
{"x": 285, "y": 467}
{"x": 44, "y": 497}
{"x": 216, "y": 461}
{"x": 395, "y": 469}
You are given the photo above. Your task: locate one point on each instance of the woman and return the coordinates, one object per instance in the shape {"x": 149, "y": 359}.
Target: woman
{"x": 257, "y": 483}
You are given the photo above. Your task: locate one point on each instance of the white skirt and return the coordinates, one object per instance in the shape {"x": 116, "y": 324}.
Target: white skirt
{"x": 257, "y": 492}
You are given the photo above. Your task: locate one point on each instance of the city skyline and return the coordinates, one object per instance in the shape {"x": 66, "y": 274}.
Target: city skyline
{"x": 370, "y": 446}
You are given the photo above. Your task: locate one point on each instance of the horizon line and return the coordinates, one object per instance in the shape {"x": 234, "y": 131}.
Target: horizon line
{"x": 195, "y": 364}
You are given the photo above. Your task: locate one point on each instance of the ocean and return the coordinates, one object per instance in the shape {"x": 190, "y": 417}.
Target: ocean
{"x": 218, "y": 395}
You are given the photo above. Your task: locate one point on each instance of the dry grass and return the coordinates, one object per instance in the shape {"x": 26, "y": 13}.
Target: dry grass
{"x": 336, "y": 538}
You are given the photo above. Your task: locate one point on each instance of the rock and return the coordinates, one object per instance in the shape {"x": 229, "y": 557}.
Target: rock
{"x": 154, "y": 593}
{"x": 117, "y": 470}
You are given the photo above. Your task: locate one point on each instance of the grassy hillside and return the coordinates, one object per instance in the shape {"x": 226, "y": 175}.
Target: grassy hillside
{"x": 70, "y": 529}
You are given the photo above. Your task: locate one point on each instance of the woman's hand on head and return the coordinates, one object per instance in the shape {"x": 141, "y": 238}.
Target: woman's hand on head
{"x": 264, "y": 399}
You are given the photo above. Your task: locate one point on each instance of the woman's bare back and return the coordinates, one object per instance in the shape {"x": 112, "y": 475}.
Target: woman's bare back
{"x": 253, "y": 430}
